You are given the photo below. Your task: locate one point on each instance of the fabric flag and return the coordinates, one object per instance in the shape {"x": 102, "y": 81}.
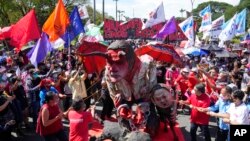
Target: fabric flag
{"x": 83, "y": 12}
{"x": 58, "y": 44}
{"x": 25, "y": 30}
{"x": 187, "y": 27}
{"x": 167, "y": 29}
{"x": 155, "y": 17}
{"x": 75, "y": 27}
{"x": 216, "y": 28}
{"x": 206, "y": 19}
{"x": 229, "y": 32}
{"x": 94, "y": 33}
{"x": 5, "y": 32}
{"x": 39, "y": 52}
{"x": 218, "y": 22}
{"x": 241, "y": 22}
{"x": 55, "y": 26}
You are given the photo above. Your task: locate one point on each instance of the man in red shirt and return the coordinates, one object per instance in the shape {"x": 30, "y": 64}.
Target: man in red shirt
{"x": 79, "y": 121}
{"x": 198, "y": 119}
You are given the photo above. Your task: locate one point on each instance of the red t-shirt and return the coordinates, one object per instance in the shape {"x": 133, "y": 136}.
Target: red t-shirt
{"x": 199, "y": 101}
{"x": 182, "y": 84}
{"x": 192, "y": 81}
{"x": 78, "y": 122}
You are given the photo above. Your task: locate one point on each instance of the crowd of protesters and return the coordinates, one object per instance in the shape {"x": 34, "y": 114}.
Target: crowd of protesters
{"x": 206, "y": 86}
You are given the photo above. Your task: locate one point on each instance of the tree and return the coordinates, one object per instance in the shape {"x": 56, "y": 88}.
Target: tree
{"x": 220, "y": 8}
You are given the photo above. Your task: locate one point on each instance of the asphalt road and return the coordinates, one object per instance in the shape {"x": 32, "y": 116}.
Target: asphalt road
{"x": 182, "y": 119}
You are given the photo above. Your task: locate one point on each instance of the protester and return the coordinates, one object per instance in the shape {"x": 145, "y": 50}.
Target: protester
{"x": 50, "y": 126}
{"x": 221, "y": 106}
{"x": 198, "y": 119}
{"x": 237, "y": 113}
{"x": 77, "y": 85}
{"x": 7, "y": 119}
{"x": 79, "y": 121}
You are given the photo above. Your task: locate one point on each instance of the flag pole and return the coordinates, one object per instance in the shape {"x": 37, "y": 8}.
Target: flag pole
{"x": 69, "y": 60}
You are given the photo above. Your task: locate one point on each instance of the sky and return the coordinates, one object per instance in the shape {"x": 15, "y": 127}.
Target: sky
{"x": 142, "y": 8}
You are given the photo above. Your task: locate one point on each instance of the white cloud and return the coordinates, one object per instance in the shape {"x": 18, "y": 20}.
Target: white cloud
{"x": 141, "y": 8}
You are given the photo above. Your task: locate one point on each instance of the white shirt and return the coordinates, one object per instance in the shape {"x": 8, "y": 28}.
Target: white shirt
{"x": 239, "y": 113}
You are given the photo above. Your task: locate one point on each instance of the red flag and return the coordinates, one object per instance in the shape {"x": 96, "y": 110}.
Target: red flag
{"x": 5, "y": 32}
{"x": 25, "y": 30}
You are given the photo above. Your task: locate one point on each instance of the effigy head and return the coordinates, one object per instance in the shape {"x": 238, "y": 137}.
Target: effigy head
{"x": 121, "y": 60}
{"x": 162, "y": 96}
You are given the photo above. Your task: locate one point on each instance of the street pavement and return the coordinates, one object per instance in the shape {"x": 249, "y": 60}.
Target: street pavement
{"x": 182, "y": 119}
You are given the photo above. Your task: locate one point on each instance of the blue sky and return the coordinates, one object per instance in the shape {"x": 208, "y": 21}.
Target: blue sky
{"x": 141, "y": 8}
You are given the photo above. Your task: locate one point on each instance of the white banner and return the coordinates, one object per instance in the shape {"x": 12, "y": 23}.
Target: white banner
{"x": 83, "y": 12}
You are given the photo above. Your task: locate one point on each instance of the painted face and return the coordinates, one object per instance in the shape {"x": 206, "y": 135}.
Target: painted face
{"x": 162, "y": 98}
{"x": 117, "y": 67}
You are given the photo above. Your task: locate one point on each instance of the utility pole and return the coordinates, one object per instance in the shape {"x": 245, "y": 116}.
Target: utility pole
{"x": 192, "y": 4}
{"x": 103, "y": 10}
{"x": 120, "y": 12}
{"x": 115, "y": 9}
{"x": 94, "y": 13}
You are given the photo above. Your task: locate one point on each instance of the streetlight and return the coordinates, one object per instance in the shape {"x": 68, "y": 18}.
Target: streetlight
{"x": 115, "y": 9}
{"x": 182, "y": 10}
{"x": 120, "y": 12}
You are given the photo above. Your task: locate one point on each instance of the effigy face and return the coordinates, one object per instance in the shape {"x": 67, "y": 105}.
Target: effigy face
{"x": 162, "y": 97}
{"x": 117, "y": 70}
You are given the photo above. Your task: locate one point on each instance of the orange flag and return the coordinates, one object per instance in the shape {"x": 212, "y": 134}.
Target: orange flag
{"x": 56, "y": 24}
{"x": 25, "y": 30}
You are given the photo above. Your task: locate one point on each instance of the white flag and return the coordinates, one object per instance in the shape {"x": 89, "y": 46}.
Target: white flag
{"x": 229, "y": 32}
{"x": 218, "y": 22}
{"x": 216, "y": 28}
{"x": 187, "y": 27}
{"x": 155, "y": 17}
{"x": 206, "y": 19}
{"x": 83, "y": 12}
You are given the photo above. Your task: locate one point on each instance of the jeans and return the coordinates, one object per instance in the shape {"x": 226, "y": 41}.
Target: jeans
{"x": 59, "y": 136}
{"x": 205, "y": 131}
{"x": 221, "y": 135}
{"x": 35, "y": 106}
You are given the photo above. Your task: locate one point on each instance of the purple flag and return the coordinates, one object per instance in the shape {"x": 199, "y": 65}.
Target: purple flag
{"x": 40, "y": 51}
{"x": 168, "y": 28}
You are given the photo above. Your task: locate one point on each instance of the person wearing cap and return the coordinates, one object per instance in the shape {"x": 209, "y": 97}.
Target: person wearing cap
{"x": 47, "y": 86}
{"x": 130, "y": 81}
{"x": 77, "y": 85}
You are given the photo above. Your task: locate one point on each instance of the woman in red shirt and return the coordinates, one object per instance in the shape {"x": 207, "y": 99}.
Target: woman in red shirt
{"x": 51, "y": 119}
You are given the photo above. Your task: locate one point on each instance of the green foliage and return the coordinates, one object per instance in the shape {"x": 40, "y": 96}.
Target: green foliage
{"x": 220, "y": 8}
{"x": 13, "y": 10}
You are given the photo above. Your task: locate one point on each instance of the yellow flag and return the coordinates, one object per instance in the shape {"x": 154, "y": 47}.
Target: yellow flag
{"x": 56, "y": 24}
